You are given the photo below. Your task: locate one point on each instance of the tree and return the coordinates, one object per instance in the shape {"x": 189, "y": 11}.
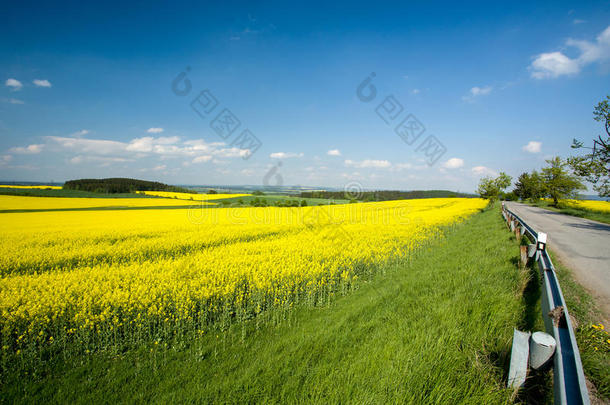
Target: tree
{"x": 529, "y": 186}
{"x": 558, "y": 182}
{"x": 595, "y": 166}
{"x": 491, "y": 188}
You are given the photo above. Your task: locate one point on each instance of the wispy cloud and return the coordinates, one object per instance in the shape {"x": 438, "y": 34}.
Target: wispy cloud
{"x": 403, "y": 166}
{"x": 27, "y": 150}
{"x": 14, "y": 84}
{"x": 154, "y": 130}
{"x": 334, "y": 152}
{"x": 285, "y": 155}
{"x": 80, "y": 133}
{"x": 369, "y": 163}
{"x": 477, "y": 92}
{"x": 104, "y": 160}
{"x": 551, "y": 65}
{"x": 12, "y": 101}
{"x": 532, "y": 147}
{"x": 41, "y": 83}
{"x": 202, "y": 159}
{"x": 164, "y": 147}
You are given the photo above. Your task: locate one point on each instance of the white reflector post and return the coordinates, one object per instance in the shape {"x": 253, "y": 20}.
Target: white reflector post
{"x": 541, "y": 241}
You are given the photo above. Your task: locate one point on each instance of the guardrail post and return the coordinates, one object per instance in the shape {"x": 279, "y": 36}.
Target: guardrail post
{"x": 524, "y": 256}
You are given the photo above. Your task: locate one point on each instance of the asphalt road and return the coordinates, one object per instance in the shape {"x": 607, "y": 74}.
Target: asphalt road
{"x": 581, "y": 244}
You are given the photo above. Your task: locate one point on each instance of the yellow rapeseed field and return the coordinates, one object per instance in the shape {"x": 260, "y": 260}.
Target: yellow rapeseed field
{"x": 10, "y": 202}
{"x": 35, "y": 187}
{"x": 591, "y": 205}
{"x": 100, "y": 278}
{"x": 187, "y": 196}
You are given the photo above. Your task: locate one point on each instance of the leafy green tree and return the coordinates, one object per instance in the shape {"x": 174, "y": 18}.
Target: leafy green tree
{"x": 529, "y": 187}
{"x": 595, "y": 166}
{"x": 491, "y": 188}
{"x": 558, "y": 182}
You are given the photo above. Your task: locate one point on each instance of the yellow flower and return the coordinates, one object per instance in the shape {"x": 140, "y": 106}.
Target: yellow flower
{"x": 91, "y": 272}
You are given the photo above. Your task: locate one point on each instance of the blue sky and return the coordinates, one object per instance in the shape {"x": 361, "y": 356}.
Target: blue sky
{"x": 87, "y": 90}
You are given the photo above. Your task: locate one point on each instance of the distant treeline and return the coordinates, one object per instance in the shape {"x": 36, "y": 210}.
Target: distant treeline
{"x": 121, "y": 185}
{"x": 384, "y": 195}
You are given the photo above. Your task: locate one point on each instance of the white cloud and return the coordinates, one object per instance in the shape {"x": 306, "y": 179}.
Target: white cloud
{"x": 104, "y": 151}
{"x": 154, "y": 130}
{"x": 14, "y": 84}
{"x": 144, "y": 144}
{"x": 532, "y": 147}
{"x": 105, "y": 160}
{"x": 334, "y": 152}
{"x": 480, "y": 91}
{"x": 477, "y": 92}
{"x": 369, "y": 163}
{"x": 415, "y": 91}
{"x": 285, "y": 155}
{"x": 28, "y": 150}
{"x": 551, "y": 65}
{"x": 92, "y": 146}
{"x": 159, "y": 167}
{"x": 167, "y": 140}
{"x": 483, "y": 171}
{"x": 41, "y": 83}
{"x": 233, "y": 152}
{"x": 5, "y": 159}
{"x": 578, "y": 21}
{"x": 162, "y": 145}
{"x": 453, "y": 163}
{"x": 202, "y": 159}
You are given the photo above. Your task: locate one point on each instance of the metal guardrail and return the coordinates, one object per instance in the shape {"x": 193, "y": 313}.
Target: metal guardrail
{"x": 569, "y": 379}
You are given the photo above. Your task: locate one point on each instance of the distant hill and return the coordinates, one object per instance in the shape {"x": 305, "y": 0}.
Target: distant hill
{"x": 386, "y": 195}
{"x": 121, "y": 185}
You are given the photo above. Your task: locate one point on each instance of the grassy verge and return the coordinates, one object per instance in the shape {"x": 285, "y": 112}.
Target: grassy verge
{"x": 575, "y": 212}
{"x": 593, "y": 340}
{"x": 436, "y": 328}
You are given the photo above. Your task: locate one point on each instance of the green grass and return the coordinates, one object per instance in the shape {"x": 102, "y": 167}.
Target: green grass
{"x": 271, "y": 200}
{"x": 436, "y": 328}
{"x": 575, "y": 212}
{"x": 581, "y": 305}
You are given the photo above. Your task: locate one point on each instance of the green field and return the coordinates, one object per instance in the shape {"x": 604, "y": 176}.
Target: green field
{"x": 273, "y": 199}
{"x": 436, "y": 328}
